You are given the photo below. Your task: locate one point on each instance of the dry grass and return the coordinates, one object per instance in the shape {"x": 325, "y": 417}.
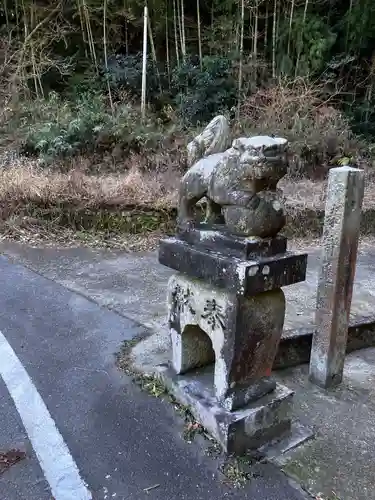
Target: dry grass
{"x": 29, "y": 183}
{"x": 40, "y": 206}
{"x": 308, "y": 194}
{"x": 304, "y": 193}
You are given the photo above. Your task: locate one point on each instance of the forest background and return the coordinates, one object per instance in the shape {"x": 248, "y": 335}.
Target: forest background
{"x": 77, "y": 158}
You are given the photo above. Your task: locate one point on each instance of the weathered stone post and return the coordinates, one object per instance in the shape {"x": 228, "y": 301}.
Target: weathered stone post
{"x": 226, "y": 307}
{"x": 335, "y": 285}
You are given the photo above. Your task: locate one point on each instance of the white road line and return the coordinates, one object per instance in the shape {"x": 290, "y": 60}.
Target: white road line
{"x": 57, "y": 464}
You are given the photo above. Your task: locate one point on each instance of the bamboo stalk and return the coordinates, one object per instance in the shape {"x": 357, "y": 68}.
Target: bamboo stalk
{"x": 105, "y": 5}
{"x": 89, "y": 34}
{"x": 255, "y": 44}
{"x": 266, "y": 31}
{"x": 301, "y": 37}
{"x": 183, "y": 29}
{"x": 39, "y": 92}
{"x": 251, "y": 31}
{"x": 274, "y": 24}
{"x": 241, "y": 58}
{"x": 179, "y": 24}
{"x": 167, "y": 44}
{"x": 212, "y": 26}
{"x": 82, "y": 27}
{"x": 17, "y": 13}
{"x": 176, "y": 33}
{"x": 6, "y": 13}
{"x": 152, "y": 45}
{"x": 278, "y": 21}
{"x": 370, "y": 90}
{"x": 237, "y": 37}
{"x": 348, "y": 25}
{"x": 126, "y": 29}
{"x": 153, "y": 52}
{"x": 290, "y": 27}
{"x": 33, "y": 62}
{"x": 144, "y": 64}
{"x": 199, "y": 34}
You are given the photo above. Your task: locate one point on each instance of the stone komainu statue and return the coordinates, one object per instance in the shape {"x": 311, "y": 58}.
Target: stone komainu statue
{"x": 239, "y": 183}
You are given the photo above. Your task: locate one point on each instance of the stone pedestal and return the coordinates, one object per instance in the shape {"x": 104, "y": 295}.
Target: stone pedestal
{"x": 226, "y": 309}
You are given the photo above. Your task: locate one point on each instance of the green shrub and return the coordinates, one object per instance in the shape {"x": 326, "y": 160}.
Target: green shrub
{"x": 55, "y": 128}
{"x": 79, "y": 83}
{"x": 309, "y": 43}
{"x": 196, "y": 93}
{"x": 199, "y": 94}
{"x": 361, "y": 115}
{"x": 125, "y": 74}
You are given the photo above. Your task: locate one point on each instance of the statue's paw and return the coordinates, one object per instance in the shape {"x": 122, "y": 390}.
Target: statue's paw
{"x": 278, "y": 207}
{"x": 186, "y": 224}
{"x": 253, "y": 202}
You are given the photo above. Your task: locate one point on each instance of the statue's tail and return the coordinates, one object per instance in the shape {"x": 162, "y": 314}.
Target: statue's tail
{"x": 215, "y": 138}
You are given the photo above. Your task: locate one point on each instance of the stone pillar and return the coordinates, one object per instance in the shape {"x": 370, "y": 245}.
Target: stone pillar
{"x": 335, "y": 285}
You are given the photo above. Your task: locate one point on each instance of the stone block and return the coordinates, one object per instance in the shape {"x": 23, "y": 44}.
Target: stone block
{"x": 225, "y": 270}
{"x": 249, "y": 428}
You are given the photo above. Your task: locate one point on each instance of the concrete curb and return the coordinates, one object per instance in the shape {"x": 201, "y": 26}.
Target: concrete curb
{"x": 303, "y": 222}
{"x": 295, "y": 345}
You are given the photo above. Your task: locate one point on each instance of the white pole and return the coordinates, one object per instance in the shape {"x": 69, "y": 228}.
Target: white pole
{"x": 144, "y": 65}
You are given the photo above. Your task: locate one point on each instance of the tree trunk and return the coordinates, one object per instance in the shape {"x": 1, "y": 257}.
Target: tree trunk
{"x": 301, "y": 37}
{"x": 241, "y": 59}
{"x": 144, "y": 64}
{"x": 183, "y": 47}
{"x": 255, "y": 44}
{"x": 290, "y": 27}
{"x": 105, "y": 3}
{"x": 176, "y": 33}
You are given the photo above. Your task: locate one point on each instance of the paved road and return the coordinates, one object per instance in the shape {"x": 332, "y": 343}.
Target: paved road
{"x": 121, "y": 440}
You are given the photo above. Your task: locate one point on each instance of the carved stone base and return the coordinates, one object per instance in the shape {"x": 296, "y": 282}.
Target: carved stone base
{"x": 249, "y": 428}
{"x": 239, "y": 334}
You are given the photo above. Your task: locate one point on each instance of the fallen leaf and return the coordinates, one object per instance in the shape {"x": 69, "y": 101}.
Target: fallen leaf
{"x": 9, "y": 458}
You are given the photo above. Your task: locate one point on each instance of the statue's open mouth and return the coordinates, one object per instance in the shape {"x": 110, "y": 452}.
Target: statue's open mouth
{"x": 250, "y": 159}
{"x": 280, "y": 159}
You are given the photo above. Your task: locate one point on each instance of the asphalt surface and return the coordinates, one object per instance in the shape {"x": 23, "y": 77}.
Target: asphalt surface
{"x": 123, "y": 440}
